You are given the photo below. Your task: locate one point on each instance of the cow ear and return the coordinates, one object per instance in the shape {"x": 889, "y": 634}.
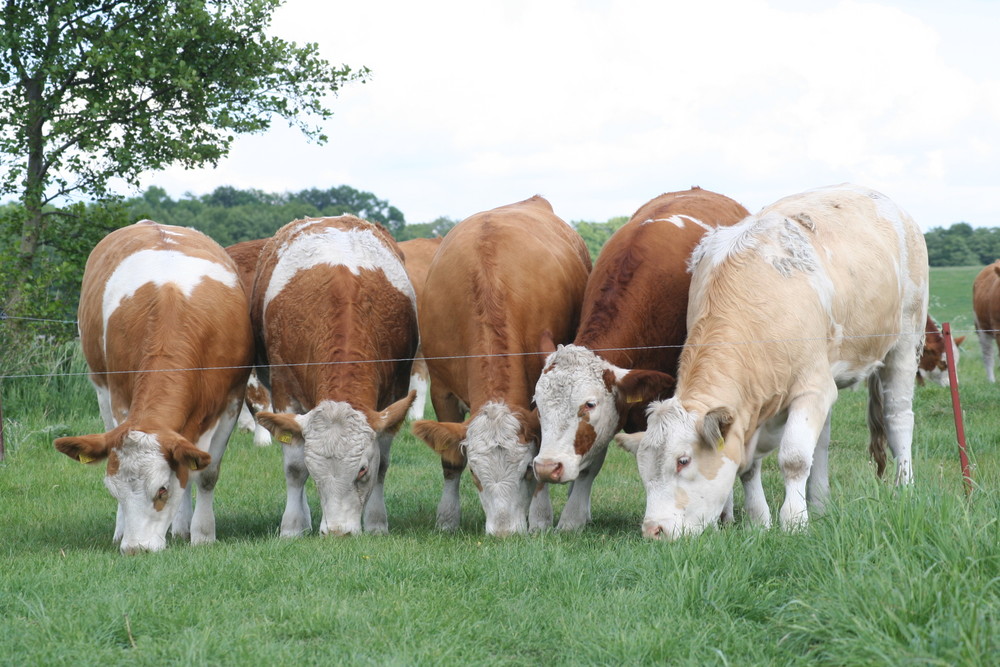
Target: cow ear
{"x": 442, "y": 437}
{"x": 630, "y": 441}
{"x": 530, "y": 429}
{"x": 283, "y": 426}
{"x": 959, "y": 340}
{"x": 85, "y": 448}
{"x": 390, "y": 418}
{"x": 715, "y": 427}
{"x": 189, "y": 457}
{"x": 642, "y": 386}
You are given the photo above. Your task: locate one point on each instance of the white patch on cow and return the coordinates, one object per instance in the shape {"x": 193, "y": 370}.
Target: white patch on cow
{"x": 679, "y": 220}
{"x": 142, "y": 472}
{"x": 354, "y": 249}
{"x": 500, "y": 462}
{"x": 161, "y": 267}
{"x": 418, "y": 383}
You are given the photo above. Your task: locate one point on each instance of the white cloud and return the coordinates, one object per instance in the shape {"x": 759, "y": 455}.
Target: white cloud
{"x": 602, "y": 105}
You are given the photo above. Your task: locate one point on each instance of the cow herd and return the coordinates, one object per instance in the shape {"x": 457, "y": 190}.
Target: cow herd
{"x": 701, "y": 339}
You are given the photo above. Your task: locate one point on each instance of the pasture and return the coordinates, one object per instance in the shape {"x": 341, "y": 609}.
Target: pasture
{"x": 885, "y": 576}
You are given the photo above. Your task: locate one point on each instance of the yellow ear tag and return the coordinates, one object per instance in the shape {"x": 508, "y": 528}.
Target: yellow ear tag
{"x": 193, "y": 464}
{"x": 635, "y": 398}
{"x": 719, "y": 442}
{"x": 86, "y": 459}
{"x": 285, "y": 438}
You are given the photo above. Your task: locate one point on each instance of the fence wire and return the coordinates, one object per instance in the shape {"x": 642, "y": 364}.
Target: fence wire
{"x": 762, "y": 341}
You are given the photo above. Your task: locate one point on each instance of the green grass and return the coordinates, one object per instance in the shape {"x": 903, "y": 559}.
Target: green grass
{"x": 885, "y": 576}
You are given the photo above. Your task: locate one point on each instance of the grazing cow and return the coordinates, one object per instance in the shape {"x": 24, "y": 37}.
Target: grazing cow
{"x": 501, "y": 279}
{"x": 933, "y": 363}
{"x": 625, "y": 353}
{"x": 986, "y": 306}
{"x": 417, "y": 256}
{"x": 813, "y": 293}
{"x": 335, "y": 318}
{"x": 165, "y": 329}
{"x": 258, "y": 398}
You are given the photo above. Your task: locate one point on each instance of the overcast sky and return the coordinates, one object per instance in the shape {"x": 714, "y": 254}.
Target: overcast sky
{"x": 601, "y": 105}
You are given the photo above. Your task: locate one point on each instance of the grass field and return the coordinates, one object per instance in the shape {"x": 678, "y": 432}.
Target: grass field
{"x": 885, "y": 576}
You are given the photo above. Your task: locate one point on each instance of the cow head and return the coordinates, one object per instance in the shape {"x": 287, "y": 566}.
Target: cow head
{"x": 342, "y": 453}
{"x": 146, "y": 474}
{"x": 498, "y": 446}
{"x": 933, "y": 366}
{"x": 582, "y": 402}
{"x": 688, "y": 463}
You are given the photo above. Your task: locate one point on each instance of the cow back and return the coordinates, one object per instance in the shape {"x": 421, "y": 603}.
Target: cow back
{"x": 334, "y": 312}
{"x": 499, "y": 280}
{"x": 635, "y": 304}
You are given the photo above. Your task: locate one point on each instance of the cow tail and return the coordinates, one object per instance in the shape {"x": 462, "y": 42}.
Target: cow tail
{"x": 876, "y": 422}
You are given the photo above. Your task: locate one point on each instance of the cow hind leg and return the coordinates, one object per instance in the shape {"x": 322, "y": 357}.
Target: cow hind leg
{"x": 988, "y": 344}
{"x": 895, "y": 388}
{"x": 818, "y": 485}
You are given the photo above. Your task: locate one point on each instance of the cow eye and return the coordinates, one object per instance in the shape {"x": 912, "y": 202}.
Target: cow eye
{"x": 683, "y": 462}
{"x": 591, "y": 405}
{"x": 161, "y": 493}
{"x": 363, "y": 472}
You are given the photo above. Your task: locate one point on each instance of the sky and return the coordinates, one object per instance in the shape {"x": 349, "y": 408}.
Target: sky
{"x": 601, "y": 105}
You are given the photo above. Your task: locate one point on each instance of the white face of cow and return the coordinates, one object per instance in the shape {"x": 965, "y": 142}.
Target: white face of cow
{"x": 501, "y": 468}
{"x": 343, "y": 457}
{"x": 147, "y": 490}
{"x": 577, "y": 409}
{"x": 687, "y": 475}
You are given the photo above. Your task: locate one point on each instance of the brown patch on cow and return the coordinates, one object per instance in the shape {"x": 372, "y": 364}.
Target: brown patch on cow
{"x": 113, "y": 462}
{"x": 585, "y": 437}
{"x": 609, "y": 379}
{"x": 584, "y": 413}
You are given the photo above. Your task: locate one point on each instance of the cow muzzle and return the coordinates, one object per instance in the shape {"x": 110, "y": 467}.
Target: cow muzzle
{"x": 547, "y": 470}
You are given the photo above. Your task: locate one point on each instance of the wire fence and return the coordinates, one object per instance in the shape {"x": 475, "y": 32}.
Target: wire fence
{"x": 760, "y": 341}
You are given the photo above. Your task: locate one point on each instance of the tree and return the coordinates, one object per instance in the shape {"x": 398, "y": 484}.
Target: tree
{"x": 596, "y": 234}
{"x": 95, "y": 89}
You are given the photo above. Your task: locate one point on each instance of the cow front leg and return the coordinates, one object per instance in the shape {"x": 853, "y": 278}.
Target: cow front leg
{"x": 576, "y": 512}
{"x": 297, "y": 519}
{"x": 806, "y": 419}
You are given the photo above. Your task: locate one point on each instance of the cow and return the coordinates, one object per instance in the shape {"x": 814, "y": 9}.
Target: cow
{"x": 258, "y": 398}
{"x": 812, "y": 294}
{"x": 334, "y": 314}
{"x": 501, "y": 280}
{"x": 986, "y": 308}
{"x": 165, "y": 330}
{"x": 933, "y": 364}
{"x": 625, "y": 353}
{"x": 417, "y": 256}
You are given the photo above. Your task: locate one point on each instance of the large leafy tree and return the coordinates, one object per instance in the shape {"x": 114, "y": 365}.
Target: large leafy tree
{"x": 91, "y": 90}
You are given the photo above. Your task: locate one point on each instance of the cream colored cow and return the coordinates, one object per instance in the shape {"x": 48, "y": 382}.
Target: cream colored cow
{"x": 812, "y": 294}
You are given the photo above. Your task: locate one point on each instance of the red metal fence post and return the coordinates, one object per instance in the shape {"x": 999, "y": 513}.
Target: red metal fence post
{"x": 956, "y": 405}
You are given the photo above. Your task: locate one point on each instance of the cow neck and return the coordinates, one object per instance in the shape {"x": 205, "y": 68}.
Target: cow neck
{"x": 510, "y": 379}
{"x": 170, "y": 400}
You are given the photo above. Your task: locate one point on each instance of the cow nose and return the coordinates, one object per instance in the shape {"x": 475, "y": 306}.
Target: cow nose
{"x": 548, "y": 471}
{"x": 653, "y": 530}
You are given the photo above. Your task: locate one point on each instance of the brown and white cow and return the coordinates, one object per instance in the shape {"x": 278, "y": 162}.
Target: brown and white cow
{"x": 417, "y": 256}
{"x": 165, "y": 329}
{"x": 986, "y": 307}
{"x": 631, "y": 332}
{"x": 335, "y": 318}
{"x": 813, "y": 293}
{"x": 258, "y": 398}
{"x": 500, "y": 280}
{"x": 933, "y": 364}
